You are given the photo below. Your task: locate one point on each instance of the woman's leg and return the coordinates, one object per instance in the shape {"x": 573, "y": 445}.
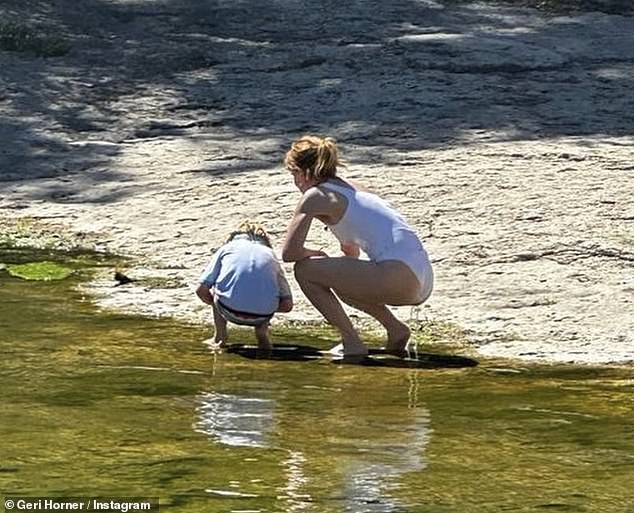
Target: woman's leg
{"x": 360, "y": 282}
{"x": 326, "y": 302}
{"x": 398, "y": 332}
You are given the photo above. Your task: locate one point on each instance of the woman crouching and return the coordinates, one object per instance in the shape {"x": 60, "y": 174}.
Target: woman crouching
{"x": 398, "y": 271}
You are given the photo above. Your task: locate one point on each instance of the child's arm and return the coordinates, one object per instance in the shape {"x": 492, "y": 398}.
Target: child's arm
{"x": 208, "y": 279}
{"x": 204, "y": 293}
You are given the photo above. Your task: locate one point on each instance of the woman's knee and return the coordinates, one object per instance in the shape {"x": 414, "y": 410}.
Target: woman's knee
{"x": 304, "y": 270}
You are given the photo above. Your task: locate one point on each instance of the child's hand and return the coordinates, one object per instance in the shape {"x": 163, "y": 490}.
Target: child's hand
{"x": 205, "y": 294}
{"x": 285, "y": 305}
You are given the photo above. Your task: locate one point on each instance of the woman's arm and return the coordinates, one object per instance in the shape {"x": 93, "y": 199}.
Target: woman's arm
{"x": 313, "y": 203}
{"x": 296, "y": 233}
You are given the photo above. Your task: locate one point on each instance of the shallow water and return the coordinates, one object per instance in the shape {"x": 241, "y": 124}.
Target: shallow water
{"x": 99, "y": 404}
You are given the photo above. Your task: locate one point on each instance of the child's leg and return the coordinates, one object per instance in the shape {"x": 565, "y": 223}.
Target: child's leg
{"x": 262, "y": 336}
{"x": 220, "y": 323}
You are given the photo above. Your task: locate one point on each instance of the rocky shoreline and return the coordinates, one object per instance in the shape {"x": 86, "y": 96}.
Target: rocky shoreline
{"x": 503, "y": 134}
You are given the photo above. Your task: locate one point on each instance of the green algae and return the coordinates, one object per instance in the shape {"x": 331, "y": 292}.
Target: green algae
{"x": 40, "y": 271}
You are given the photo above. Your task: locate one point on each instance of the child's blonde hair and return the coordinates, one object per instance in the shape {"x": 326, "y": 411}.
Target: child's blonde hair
{"x": 255, "y": 231}
{"x": 316, "y": 157}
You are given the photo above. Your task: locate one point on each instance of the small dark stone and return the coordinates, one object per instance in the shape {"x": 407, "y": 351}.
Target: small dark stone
{"x": 121, "y": 278}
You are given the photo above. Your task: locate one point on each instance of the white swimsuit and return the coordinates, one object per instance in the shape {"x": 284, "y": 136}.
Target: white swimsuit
{"x": 381, "y": 232}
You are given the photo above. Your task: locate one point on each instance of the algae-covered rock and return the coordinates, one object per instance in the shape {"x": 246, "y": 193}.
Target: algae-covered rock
{"x": 40, "y": 271}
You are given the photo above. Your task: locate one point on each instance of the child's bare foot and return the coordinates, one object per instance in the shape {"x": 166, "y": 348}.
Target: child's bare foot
{"x": 264, "y": 349}
{"x": 214, "y": 344}
{"x": 397, "y": 339}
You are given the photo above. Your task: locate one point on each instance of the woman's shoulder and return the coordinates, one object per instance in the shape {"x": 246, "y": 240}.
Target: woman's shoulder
{"x": 359, "y": 187}
{"x": 320, "y": 203}
{"x": 315, "y": 199}
{"x": 346, "y": 186}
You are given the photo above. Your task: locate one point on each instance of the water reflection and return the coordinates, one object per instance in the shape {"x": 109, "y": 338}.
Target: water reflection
{"x": 294, "y": 492}
{"x": 235, "y": 421}
{"x": 349, "y": 456}
{"x": 371, "y": 479}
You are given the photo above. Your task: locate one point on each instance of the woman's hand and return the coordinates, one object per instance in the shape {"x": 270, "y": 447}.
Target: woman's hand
{"x": 350, "y": 249}
{"x": 309, "y": 253}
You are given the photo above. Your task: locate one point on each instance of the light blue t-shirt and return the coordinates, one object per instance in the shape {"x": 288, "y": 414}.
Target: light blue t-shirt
{"x": 247, "y": 277}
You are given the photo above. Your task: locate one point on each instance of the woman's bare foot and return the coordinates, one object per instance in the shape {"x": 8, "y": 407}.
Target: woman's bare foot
{"x": 397, "y": 339}
{"x": 349, "y": 349}
{"x": 336, "y": 350}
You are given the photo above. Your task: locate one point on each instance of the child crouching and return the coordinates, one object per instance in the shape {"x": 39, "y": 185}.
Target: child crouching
{"x": 245, "y": 284}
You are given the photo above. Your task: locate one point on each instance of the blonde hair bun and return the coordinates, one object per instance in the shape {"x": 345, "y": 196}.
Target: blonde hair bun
{"x": 316, "y": 157}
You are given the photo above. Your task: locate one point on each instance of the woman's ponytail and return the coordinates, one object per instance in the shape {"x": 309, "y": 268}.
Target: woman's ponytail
{"x": 314, "y": 156}
{"x": 327, "y": 159}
